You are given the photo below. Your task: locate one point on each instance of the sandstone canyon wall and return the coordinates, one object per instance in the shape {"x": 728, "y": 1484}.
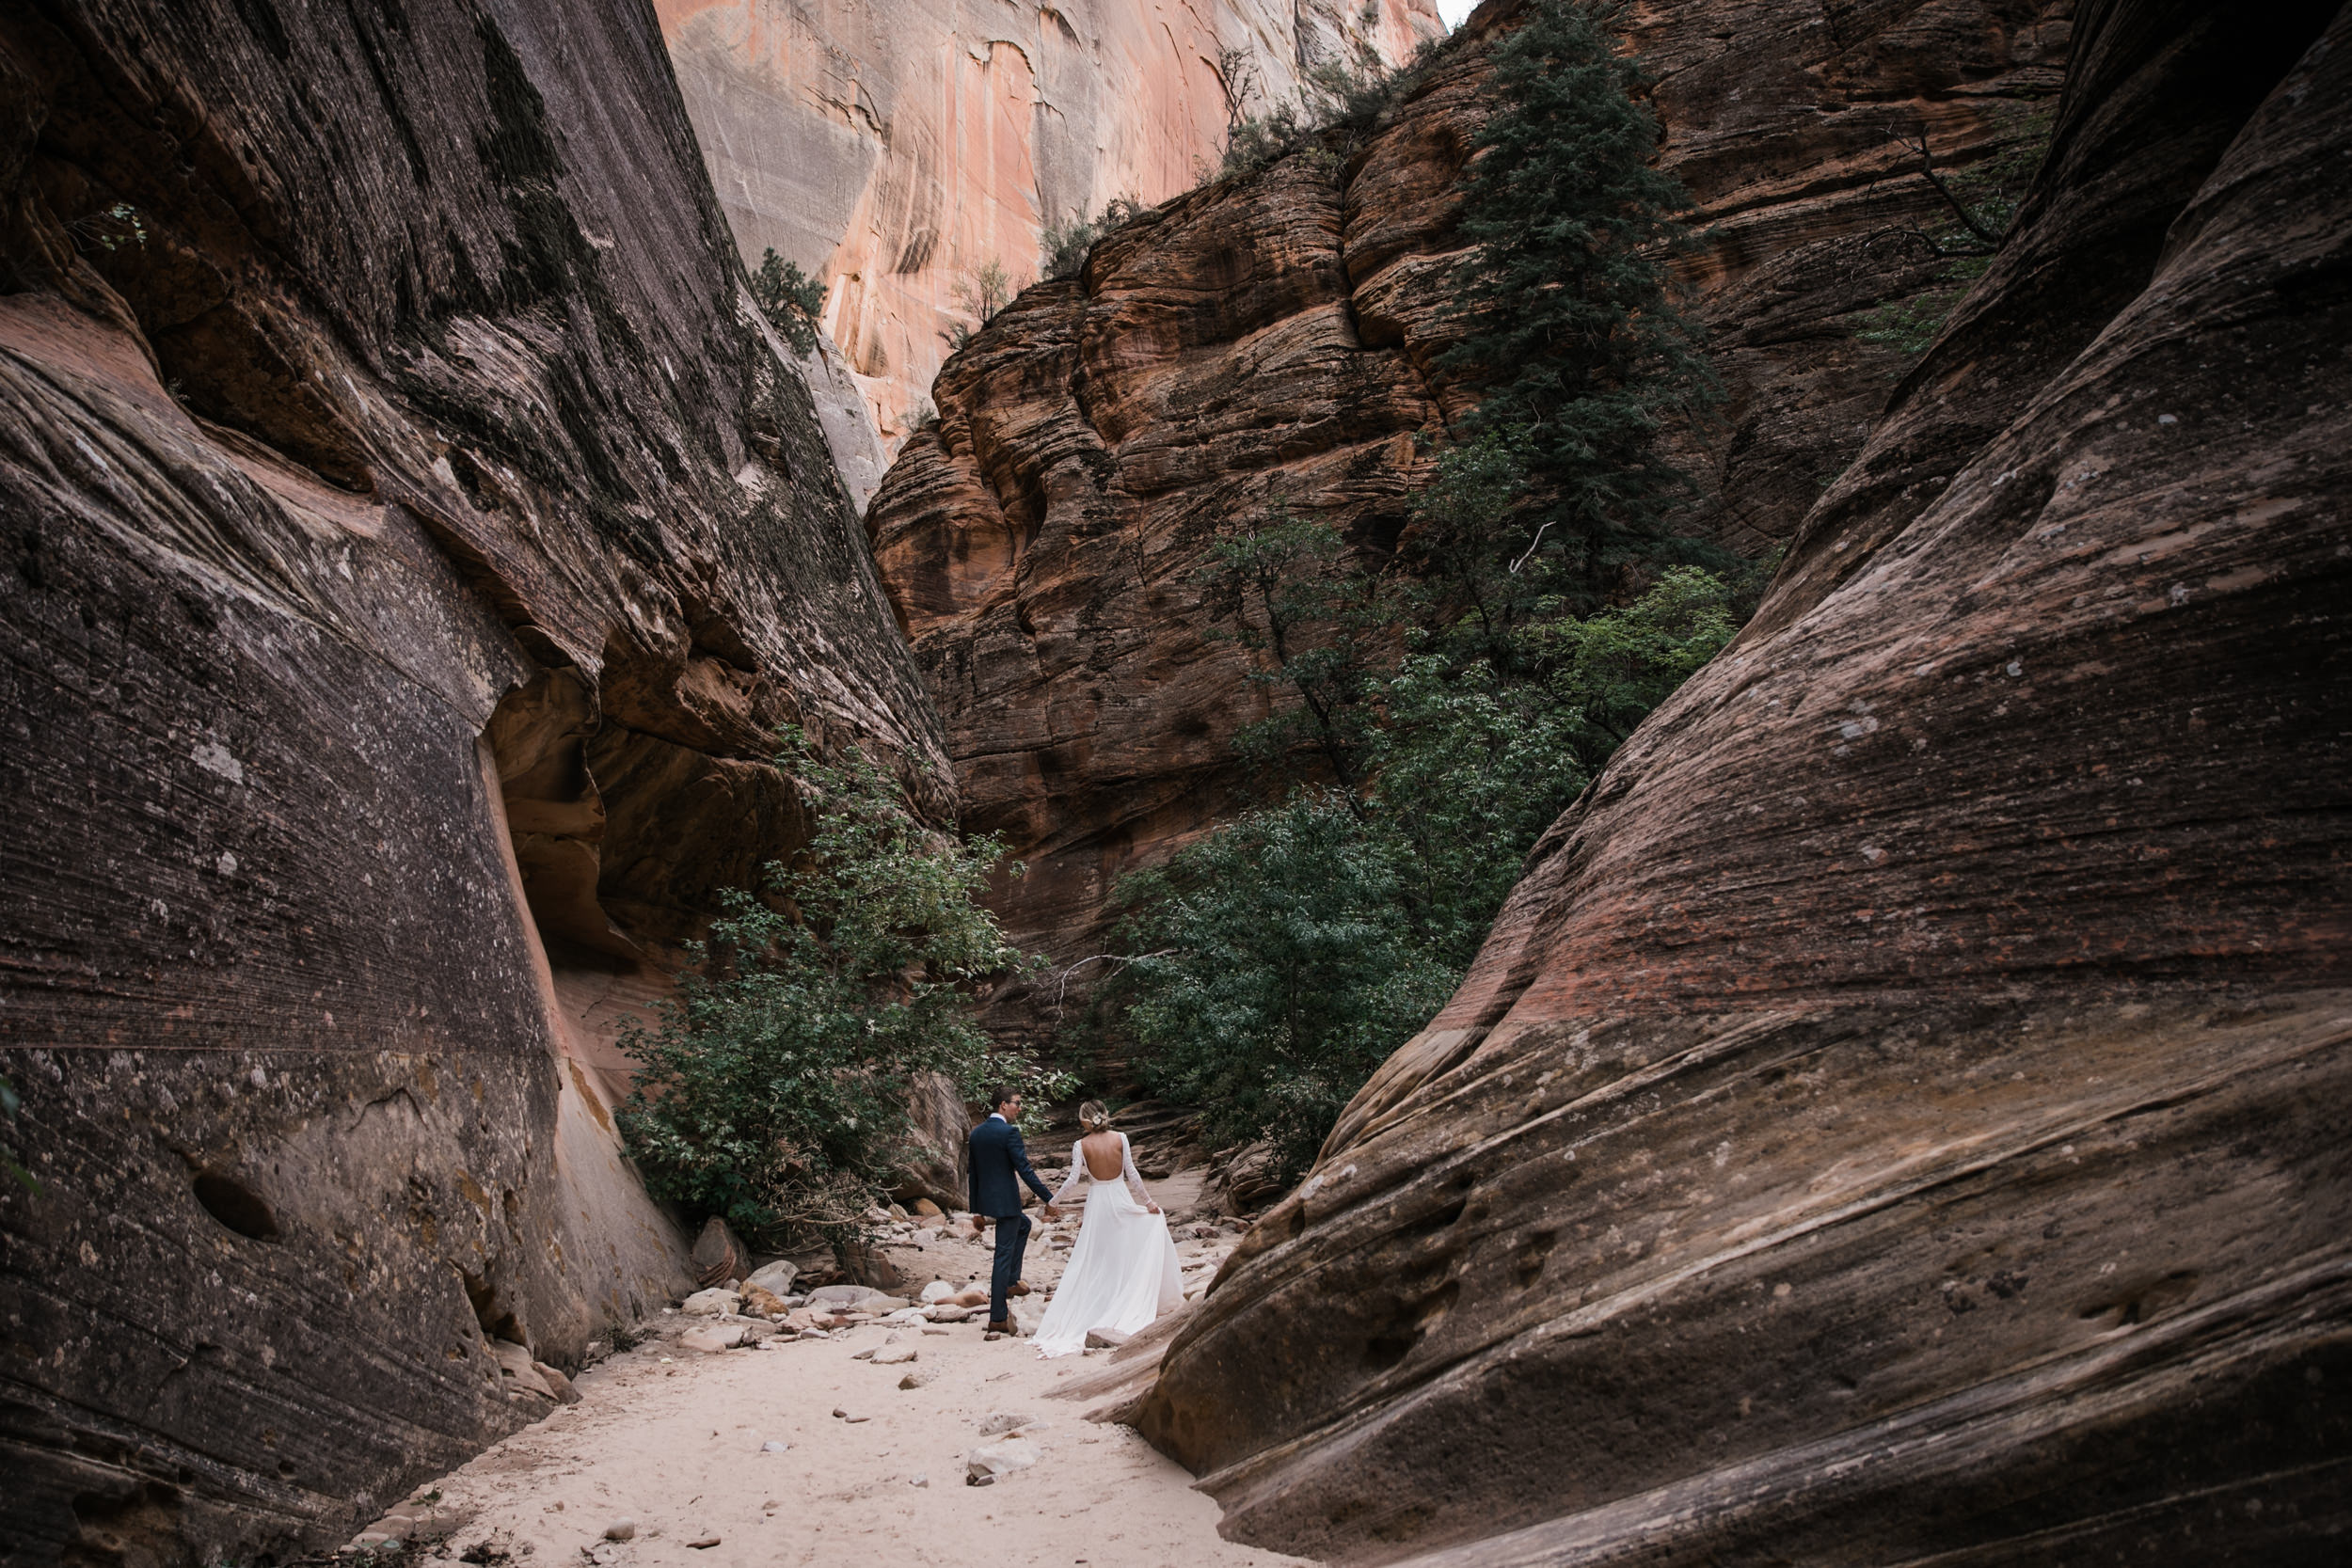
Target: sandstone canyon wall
{"x": 1276, "y": 336}
{"x": 1899, "y": 1115}
{"x": 412, "y": 535}
{"x": 894, "y": 149}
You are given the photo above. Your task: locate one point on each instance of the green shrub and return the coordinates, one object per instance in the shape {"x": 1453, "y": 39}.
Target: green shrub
{"x": 771, "y": 1089}
{"x": 789, "y": 299}
{"x": 1065, "y": 246}
{"x": 1285, "y": 955}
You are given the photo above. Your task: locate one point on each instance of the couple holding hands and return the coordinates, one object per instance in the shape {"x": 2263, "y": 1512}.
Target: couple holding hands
{"x": 1122, "y": 1274}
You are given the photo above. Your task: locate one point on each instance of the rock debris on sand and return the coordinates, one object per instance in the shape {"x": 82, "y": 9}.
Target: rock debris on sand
{"x": 793, "y": 1453}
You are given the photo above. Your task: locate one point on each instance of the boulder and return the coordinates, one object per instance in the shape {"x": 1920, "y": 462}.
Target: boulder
{"x": 518, "y": 1372}
{"x": 775, "y": 1279}
{"x": 894, "y": 1356}
{"x": 719, "y": 1255}
{"x": 936, "y": 1291}
{"x": 711, "y": 1302}
{"x": 762, "y": 1302}
{"x": 1105, "y": 1339}
{"x": 851, "y": 1298}
{"x": 992, "y": 1459}
{"x": 556, "y": 1383}
{"x": 1005, "y": 1420}
{"x": 711, "y": 1338}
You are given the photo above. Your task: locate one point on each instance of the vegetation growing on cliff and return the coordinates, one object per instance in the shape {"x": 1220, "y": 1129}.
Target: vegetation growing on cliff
{"x": 790, "y": 299}
{"x": 771, "y": 1090}
{"x": 1979, "y": 203}
{"x": 1571, "y": 336}
{"x": 1442, "y": 709}
{"x": 1288, "y": 953}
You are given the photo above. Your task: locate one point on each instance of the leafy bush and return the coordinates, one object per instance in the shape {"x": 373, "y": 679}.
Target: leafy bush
{"x": 1284, "y": 972}
{"x": 790, "y": 299}
{"x": 1066, "y": 245}
{"x": 1285, "y": 955}
{"x": 1340, "y": 102}
{"x": 771, "y": 1089}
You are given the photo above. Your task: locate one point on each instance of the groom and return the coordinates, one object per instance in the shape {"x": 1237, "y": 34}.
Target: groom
{"x": 998, "y": 1158}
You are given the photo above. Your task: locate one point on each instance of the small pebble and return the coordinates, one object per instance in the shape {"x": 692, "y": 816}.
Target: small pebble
{"x": 621, "y": 1530}
{"x": 771, "y": 1445}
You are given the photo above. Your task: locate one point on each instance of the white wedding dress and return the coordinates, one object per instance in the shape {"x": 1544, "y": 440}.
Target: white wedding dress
{"x": 1122, "y": 1274}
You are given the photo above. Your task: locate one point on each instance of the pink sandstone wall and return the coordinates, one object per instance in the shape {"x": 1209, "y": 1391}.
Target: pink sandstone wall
{"x": 895, "y": 148}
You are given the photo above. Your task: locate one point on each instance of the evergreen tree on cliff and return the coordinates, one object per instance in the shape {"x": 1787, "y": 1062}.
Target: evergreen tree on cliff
{"x": 1573, "y": 338}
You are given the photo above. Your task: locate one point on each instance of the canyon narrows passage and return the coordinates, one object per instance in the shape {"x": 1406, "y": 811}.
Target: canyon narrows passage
{"x": 1897, "y": 1116}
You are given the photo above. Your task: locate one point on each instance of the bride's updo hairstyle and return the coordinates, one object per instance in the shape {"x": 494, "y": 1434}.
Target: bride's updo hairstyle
{"x": 1095, "y": 1116}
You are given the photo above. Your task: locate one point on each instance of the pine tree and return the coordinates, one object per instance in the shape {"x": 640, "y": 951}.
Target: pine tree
{"x": 1573, "y": 338}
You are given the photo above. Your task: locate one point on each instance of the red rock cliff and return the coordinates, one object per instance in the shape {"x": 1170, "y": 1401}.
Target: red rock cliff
{"x": 1898, "y": 1117}
{"x": 412, "y": 534}
{"x": 1274, "y": 335}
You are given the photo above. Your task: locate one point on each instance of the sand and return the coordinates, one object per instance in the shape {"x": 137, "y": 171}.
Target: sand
{"x": 672, "y": 1439}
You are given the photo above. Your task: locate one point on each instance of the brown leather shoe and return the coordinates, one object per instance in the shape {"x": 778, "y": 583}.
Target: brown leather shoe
{"x": 1000, "y": 1328}
{"x": 1020, "y": 1288}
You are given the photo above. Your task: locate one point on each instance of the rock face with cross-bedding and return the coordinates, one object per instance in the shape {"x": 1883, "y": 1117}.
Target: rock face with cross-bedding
{"x": 412, "y": 538}
{"x": 1276, "y": 337}
{"x": 1899, "y": 1116}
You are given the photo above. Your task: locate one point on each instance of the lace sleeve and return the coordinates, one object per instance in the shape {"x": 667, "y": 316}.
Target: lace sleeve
{"x": 1077, "y": 1169}
{"x": 1127, "y": 1170}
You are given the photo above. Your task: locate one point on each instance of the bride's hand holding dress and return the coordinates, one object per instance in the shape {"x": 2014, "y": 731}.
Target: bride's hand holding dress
{"x": 1122, "y": 1272}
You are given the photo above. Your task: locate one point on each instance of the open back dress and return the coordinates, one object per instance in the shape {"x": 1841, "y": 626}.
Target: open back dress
{"x": 1123, "y": 1273}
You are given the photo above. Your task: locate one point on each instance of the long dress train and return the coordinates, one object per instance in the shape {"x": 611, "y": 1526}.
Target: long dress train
{"x": 1122, "y": 1272}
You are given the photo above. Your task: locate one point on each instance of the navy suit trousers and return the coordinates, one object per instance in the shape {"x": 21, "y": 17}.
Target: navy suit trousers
{"x": 1012, "y": 1240}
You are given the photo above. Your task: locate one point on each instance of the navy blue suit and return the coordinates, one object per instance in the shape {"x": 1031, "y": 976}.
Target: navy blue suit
{"x": 999, "y": 1165}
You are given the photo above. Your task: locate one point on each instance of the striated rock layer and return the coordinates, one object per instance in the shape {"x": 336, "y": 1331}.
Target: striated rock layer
{"x": 1899, "y": 1115}
{"x": 1274, "y": 336}
{"x": 894, "y": 150}
{"x": 412, "y": 537}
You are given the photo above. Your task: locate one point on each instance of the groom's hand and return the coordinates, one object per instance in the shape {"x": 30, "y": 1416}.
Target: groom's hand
{"x": 980, "y": 1225}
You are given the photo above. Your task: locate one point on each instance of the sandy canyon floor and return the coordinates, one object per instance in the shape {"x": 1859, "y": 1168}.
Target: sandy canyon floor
{"x": 677, "y": 1442}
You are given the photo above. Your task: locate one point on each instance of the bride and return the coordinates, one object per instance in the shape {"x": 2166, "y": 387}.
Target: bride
{"x": 1122, "y": 1274}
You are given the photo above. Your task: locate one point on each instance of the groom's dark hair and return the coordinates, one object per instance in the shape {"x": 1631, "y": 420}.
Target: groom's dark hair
{"x": 998, "y": 1095}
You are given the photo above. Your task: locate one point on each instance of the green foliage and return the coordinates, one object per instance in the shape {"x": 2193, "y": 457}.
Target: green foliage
{"x": 1571, "y": 332}
{"x": 1289, "y": 952}
{"x": 1435, "y": 715}
{"x": 1281, "y": 586}
{"x": 1341, "y": 100}
{"x": 790, "y": 299}
{"x": 1066, "y": 245}
{"x": 110, "y": 228}
{"x": 772, "y": 1088}
{"x": 1285, "y": 972}
{"x": 1908, "y": 325}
